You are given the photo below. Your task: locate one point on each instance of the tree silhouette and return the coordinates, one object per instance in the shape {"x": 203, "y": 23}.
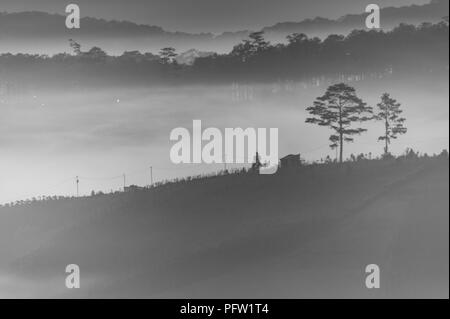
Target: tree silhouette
{"x": 96, "y": 54}
{"x": 389, "y": 113}
{"x": 251, "y": 47}
{"x": 256, "y": 166}
{"x": 167, "y": 55}
{"x": 338, "y": 109}
{"x": 76, "y": 47}
{"x": 258, "y": 42}
{"x": 296, "y": 38}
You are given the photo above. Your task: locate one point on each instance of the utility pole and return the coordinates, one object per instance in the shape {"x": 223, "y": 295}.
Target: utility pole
{"x": 78, "y": 181}
{"x": 124, "y": 182}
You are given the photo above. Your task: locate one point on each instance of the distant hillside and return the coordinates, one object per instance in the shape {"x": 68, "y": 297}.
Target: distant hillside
{"x": 40, "y": 32}
{"x": 361, "y": 54}
{"x": 391, "y": 17}
{"x": 307, "y": 232}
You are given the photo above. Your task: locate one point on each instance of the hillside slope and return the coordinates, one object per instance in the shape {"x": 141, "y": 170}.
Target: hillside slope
{"x": 297, "y": 234}
{"x": 19, "y": 31}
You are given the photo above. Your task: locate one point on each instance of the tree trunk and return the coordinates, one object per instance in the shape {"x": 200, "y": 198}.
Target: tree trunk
{"x": 341, "y": 134}
{"x": 386, "y": 147}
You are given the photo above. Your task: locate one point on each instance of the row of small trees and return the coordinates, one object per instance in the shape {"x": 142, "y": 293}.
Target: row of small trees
{"x": 340, "y": 109}
{"x": 166, "y": 55}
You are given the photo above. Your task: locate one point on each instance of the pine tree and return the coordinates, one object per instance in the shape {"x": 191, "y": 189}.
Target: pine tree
{"x": 389, "y": 113}
{"x": 339, "y": 108}
{"x": 167, "y": 55}
{"x": 251, "y": 47}
{"x": 258, "y": 42}
{"x": 76, "y": 47}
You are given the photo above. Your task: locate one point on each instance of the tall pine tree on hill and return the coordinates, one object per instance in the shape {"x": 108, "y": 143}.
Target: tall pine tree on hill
{"x": 340, "y": 109}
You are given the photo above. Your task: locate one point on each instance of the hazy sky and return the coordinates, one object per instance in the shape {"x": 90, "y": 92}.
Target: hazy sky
{"x": 206, "y": 15}
{"x": 48, "y": 138}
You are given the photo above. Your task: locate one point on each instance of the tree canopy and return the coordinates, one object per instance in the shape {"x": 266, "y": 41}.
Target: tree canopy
{"x": 389, "y": 113}
{"x": 340, "y": 109}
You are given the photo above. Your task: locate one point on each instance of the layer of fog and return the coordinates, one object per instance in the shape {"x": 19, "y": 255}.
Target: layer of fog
{"x": 48, "y": 138}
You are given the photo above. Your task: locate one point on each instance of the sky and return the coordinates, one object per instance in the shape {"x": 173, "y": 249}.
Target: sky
{"x": 205, "y": 15}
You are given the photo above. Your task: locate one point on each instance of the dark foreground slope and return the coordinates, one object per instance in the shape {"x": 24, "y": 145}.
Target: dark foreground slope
{"x": 304, "y": 233}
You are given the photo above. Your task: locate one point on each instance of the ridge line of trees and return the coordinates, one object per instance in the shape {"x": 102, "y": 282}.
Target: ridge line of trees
{"x": 254, "y": 59}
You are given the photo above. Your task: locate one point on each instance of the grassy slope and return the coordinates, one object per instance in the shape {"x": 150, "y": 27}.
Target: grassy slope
{"x": 306, "y": 233}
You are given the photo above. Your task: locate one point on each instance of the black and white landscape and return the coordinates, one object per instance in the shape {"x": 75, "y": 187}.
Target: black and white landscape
{"x": 86, "y": 176}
